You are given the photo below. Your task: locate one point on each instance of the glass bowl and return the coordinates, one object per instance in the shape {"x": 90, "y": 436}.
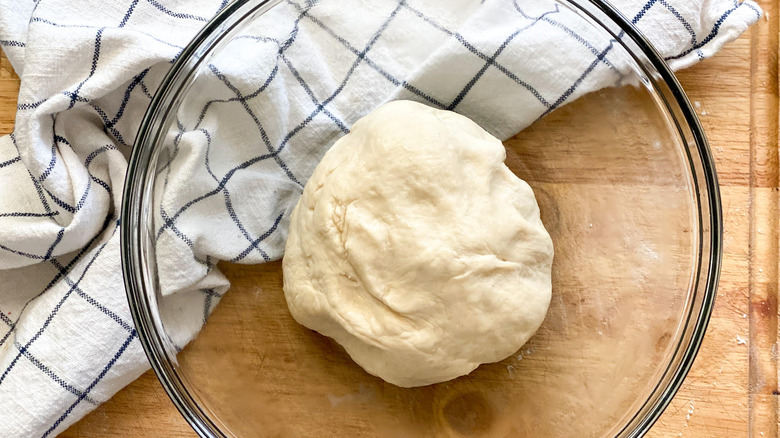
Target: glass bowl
{"x": 619, "y": 165}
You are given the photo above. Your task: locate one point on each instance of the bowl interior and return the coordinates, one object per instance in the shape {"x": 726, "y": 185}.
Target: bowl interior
{"x": 619, "y": 212}
{"x": 618, "y": 177}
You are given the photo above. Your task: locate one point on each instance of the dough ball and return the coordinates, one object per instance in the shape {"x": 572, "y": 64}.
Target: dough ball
{"x": 417, "y": 249}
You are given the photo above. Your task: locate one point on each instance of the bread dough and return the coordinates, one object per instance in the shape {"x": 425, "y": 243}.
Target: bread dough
{"x": 417, "y": 249}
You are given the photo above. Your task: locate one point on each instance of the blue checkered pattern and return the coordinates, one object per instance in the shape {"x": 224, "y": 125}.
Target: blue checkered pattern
{"x": 242, "y": 146}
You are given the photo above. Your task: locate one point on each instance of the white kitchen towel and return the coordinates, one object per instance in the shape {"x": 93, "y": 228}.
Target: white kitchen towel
{"x": 88, "y": 70}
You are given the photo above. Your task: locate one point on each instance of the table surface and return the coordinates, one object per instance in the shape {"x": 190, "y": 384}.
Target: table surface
{"x": 732, "y": 388}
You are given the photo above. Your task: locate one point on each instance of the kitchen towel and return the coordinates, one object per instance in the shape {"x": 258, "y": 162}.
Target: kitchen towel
{"x": 88, "y": 70}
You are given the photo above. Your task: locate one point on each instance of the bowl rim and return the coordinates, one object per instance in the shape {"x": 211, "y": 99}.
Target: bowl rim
{"x": 133, "y": 254}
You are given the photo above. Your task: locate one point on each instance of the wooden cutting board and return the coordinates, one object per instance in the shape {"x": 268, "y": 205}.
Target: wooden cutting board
{"x": 732, "y": 390}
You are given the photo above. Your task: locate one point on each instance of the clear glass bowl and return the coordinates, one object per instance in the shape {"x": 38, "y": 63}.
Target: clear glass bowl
{"x": 627, "y": 189}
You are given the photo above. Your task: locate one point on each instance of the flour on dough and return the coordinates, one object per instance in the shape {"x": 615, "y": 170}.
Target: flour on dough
{"x": 417, "y": 249}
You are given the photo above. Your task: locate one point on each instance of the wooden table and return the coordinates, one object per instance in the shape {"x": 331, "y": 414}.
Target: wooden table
{"x": 732, "y": 389}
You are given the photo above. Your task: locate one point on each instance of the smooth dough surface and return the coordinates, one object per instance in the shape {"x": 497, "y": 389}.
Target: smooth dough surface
{"x": 417, "y": 249}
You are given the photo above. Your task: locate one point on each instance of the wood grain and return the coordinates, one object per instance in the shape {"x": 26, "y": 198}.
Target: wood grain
{"x": 732, "y": 389}
{"x": 764, "y": 232}
{"x": 9, "y": 88}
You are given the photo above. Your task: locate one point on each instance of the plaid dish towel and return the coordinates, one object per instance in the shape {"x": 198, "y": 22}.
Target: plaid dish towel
{"x": 88, "y": 70}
